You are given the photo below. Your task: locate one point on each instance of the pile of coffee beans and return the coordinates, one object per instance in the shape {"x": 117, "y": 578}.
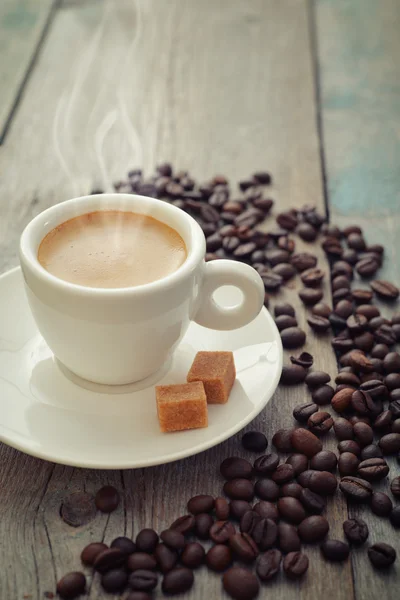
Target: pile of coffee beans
{"x": 269, "y": 507}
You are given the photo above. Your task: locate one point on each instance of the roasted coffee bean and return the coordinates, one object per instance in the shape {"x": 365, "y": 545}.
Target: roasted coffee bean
{"x": 305, "y": 442}
{"x": 312, "y": 277}
{"x": 348, "y": 464}
{"x": 349, "y": 446}
{"x": 239, "y": 489}
{"x": 282, "y": 440}
{"x": 310, "y": 296}
{"x": 381, "y": 555}
{"x": 368, "y": 310}
{"x": 395, "y": 487}
{"x": 244, "y": 250}
{"x": 265, "y": 533}
{"x": 244, "y": 546}
{"x": 193, "y": 555}
{"x": 342, "y": 344}
{"x": 320, "y": 422}
{"x": 380, "y": 351}
{"x": 396, "y": 422}
{"x": 107, "y": 499}
{"x": 282, "y": 474}
{"x": 303, "y": 412}
{"x": 320, "y": 482}
{"x": 356, "y": 489}
{"x": 307, "y": 232}
{"x": 313, "y": 529}
{"x": 342, "y": 399}
{"x": 71, "y": 585}
{"x": 268, "y": 564}
{"x": 305, "y": 360}
{"x": 266, "y": 489}
{"x": 293, "y": 337}
{"x": 184, "y": 524}
{"x": 373, "y": 469}
{"x": 361, "y": 296}
{"x": 248, "y": 521}
{"x": 114, "y": 581}
{"x": 173, "y": 539}
{"x": 318, "y": 324}
{"x": 360, "y": 362}
{"x": 323, "y": 395}
{"x": 390, "y": 443}
{"x": 124, "y": 544}
{"x": 232, "y": 468}
{"x": 203, "y": 503}
{"x": 391, "y": 362}
{"x": 178, "y": 581}
{"x": 219, "y": 557}
{"x": 237, "y": 508}
{"x": 146, "y": 540}
{"x": 288, "y": 536}
{"x": 291, "y": 510}
{"x": 367, "y": 267}
{"x": 395, "y": 516}
{"x": 221, "y": 509}
{"x": 385, "y": 335}
{"x": 166, "y": 558}
{"x": 299, "y": 463}
{"x": 341, "y": 294}
{"x": 392, "y": 381}
{"x": 317, "y": 379}
{"x": 291, "y": 489}
{"x": 276, "y": 256}
{"x": 230, "y": 243}
{"x": 284, "y": 270}
{"x": 90, "y": 552}
{"x": 384, "y": 289}
{"x": 266, "y": 510}
{"x": 356, "y": 241}
{"x": 283, "y": 308}
{"x": 292, "y": 375}
{"x": 109, "y": 559}
{"x": 321, "y": 310}
{"x": 343, "y": 309}
{"x": 363, "y": 434}
{"x": 362, "y": 403}
{"x": 287, "y": 220}
{"x": 371, "y": 451}
{"x": 303, "y": 260}
{"x": 266, "y": 464}
{"x": 341, "y": 281}
{"x": 375, "y": 388}
{"x": 240, "y": 584}
{"x": 356, "y": 324}
{"x": 141, "y": 560}
{"x": 381, "y": 504}
{"x": 285, "y": 321}
{"x": 312, "y": 502}
{"x": 324, "y": 461}
{"x": 356, "y": 531}
{"x": 272, "y": 281}
{"x": 343, "y": 429}
{"x": 377, "y": 322}
{"x": 335, "y": 550}
{"x": 221, "y": 531}
{"x": 295, "y": 564}
{"x": 255, "y": 441}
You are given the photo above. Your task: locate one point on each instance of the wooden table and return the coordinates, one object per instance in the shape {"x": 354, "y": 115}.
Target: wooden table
{"x": 91, "y": 88}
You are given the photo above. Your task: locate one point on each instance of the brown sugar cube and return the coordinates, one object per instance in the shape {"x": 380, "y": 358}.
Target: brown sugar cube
{"x": 181, "y": 406}
{"x": 217, "y": 372}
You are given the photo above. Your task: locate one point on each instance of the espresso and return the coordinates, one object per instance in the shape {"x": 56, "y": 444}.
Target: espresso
{"x": 112, "y": 249}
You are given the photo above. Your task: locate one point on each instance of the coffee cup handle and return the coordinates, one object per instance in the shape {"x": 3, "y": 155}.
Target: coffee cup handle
{"x": 228, "y": 272}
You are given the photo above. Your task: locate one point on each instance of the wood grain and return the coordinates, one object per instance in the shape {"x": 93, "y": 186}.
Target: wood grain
{"x": 23, "y": 24}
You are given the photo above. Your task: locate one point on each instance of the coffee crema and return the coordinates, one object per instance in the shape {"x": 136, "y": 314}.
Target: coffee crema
{"x": 112, "y": 249}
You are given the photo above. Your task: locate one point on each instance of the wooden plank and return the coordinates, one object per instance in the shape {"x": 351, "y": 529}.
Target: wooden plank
{"x": 214, "y": 87}
{"x": 23, "y": 24}
{"x": 358, "y": 46}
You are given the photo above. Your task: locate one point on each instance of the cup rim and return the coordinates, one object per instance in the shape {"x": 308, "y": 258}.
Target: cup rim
{"x": 28, "y": 256}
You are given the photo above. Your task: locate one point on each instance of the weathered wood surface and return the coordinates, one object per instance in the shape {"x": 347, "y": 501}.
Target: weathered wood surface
{"x": 214, "y": 87}
{"x": 23, "y": 24}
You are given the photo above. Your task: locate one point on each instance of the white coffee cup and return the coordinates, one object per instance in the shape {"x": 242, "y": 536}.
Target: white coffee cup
{"x": 123, "y": 335}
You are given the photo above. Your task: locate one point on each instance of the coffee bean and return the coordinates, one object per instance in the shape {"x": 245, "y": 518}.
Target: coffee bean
{"x": 291, "y": 510}
{"x": 173, "y": 539}
{"x": 266, "y": 510}
{"x": 178, "y": 581}
{"x": 305, "y": 442}
{"x": 320, "y": 422}
{"x": 381, "y": 504}
{"x": 310, "y": 296}
{"x": 124, "y": 544}
{"x": 371, "y": 451}
{"x": 282, "y": 440}
{"x": 375, "y": 388}
{"x": 394, "y": 408}
{"x": 395, "y": 487}
{"x": 166, "y": 558}
{"x": 392, "y": 381}
{"x": 221, "y": 531}
{"x": 293, "y": 337}
{"x": 266, "y": 489}
{"x": 304, "y": 360}
{"x": 356, "y": 489}
{"x": 349, "y": 446}
{"x": 373, "y": 469}
{"x": 322, "y": 395}
{"x": 335, "y": 550}
{"x": 316, "y": 379}
{"x": 114, "y": 581}
{"x": 248, "y": 521}
{"x": 204, "y": 522}
{"x": 71, "y": 585}
{"x": 283, "y": 308}
{"x": 303, "y": 412}
{"x": 287, "y": 220}
{"x": 193, "y": 555}
{"x": 268, "y": 564}
{"x": 324, "y": 461}
{"x": 362, "y": 403}
{"x": 390, "y": 443}
{"x": 255, "y": 441}
{"x": 289, "y": 540}
{"x": 295, "y": 564}
{"x": 285, "y": 270}
{"x": 244, "y": 546}
{"x": 303, "y": 261}
{"x": 292, "y": 375}
{"x": 111, "y": 558}
{"x": 396, "y": 422}
{"x": 348, "y": 464}
{"x": 312, "y": 277}
{"x": 363, "y": 434}
{"x": 276, "y": 256}
{"x": 237, "y": 508}
{"x": 233, "y": 468}
{"x": 240, "y": 584}
{"x": 320, "y": 482}
{"x": 184, "y": 524}
{"x": 107, "y": 499}
{"x": 321, "y": 310}
{"x": 318, "y": 324}
{"x": 313, "y": 529}
{"x": 395, "y": 516}
{"x": 78, "y": 509}
{"x": 361, "y": 296}
{"x": 146, "y": 540}
{"x": 312, "y": 502}
{"x": 383, "y": 420}
{"x": 356, "y": 531}
{"x": 219, "y": 557}
{"x": 141, "y": 561}
{"x": 90, "y": 552}
{"x": 265, "y": 533}
{"x": 285, "y": 321}
{"x": 384, "y": 289}
{"x": 307, "y": 232}
{"x": 266, "y": 464}
{"x": 299, "y": 463}
{"x": 340, "y": 281}
{"x": 282, "y": 474}
{"x": 385, "y": 335}
{"x": 360, "y": 362}
{"x": 291, "y": 489}
{"x": 380, "y": 351}
{"x": 381, "y": 555}
{"x": 343, "y": 428}
{"x": 239, "y": 489}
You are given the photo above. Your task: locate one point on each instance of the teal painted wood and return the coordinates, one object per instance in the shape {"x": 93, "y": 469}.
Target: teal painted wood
{"x": 359, "y": 60}
{"x": 22, "y": 26}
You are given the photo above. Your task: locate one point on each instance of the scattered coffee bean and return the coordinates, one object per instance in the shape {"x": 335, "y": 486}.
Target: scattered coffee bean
{"x": 395, "y": 516}
{"x": 203, "y": 503}
{"x": 283, "y": 308}
{"x": 305, "y": 442}
{"x": 323, "y": 395}
{"x": 292, "y": 375}
{"x": 373, "y": 469}
{"x": 285, "y": 321}
{"x": 381, "y": 504}
{"x": 363, "y": 434}
{"x": 356, "y": 489}
{"x": 255, "y": 441}
{"x": 356, "y": 531}
{"x": 349, "y": 446}
{"x": 266, "y": 464}
{"x": 291, "y": 489}
{"x": 219, "y": 557}
{"x": 239, "y": 489}
{"x": 193, "y": 555}
{"x": 316, "y": 379}
{"x": 114, "y": 581}
{"x": 166, "y": 558}
{"x": 299, "y": 463}
{"x": 320, "y": 423}
{"x": 173, "y": 539}
{"x": 348, "y": 464}
{"x": 221, "y": 531}
{"x": 268, "y": 564}
{"x": 146, "y": 540}
{"x": 266, "y": 510}
{"x": 343, "y": 429}
{"x": 282, "y": 440}
{"x": 282, "y": 474}
{"x": 291, "y": 510}
{"x": 381, "y": 555}
{"x": 390, "y": 443}
{"x": 71, "y": 585}
{"x": 295, "y": 564}
{"x": 244, "y": 546}
{"x": 293, "y": 337}
{"x": 141, "y": 561}
{"x": 112, "y": 558}
{"x": 237, "y": 508}
{"x": 310, "y": 296}
{"x": 265, "y": 533}
{"x": 371, "y": 451}
{"x": 240, "y": 583}
{"x": 384, "y": 289}
{"x": 303, "y": 412}
{"x": 203, "y": 524}
{"x": 124, "y": 544}
{"x": 184, "y": 524}
{"x": 312, "y": 502}
{"x": 232, "y": 468}
{"x": 248, "y": 521}
{"x": 178, "y": 581}
{"x": 305, "y": 360}
{"x": 313, "y": 529}
{"x": 288, "y": 536}
{"x": 90, "y": 552}
{"x": 324, "y": 461}
{"x": 335, "y": 550}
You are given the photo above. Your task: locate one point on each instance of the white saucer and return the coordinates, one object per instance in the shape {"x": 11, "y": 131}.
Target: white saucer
{"x": 47, "y": 413}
